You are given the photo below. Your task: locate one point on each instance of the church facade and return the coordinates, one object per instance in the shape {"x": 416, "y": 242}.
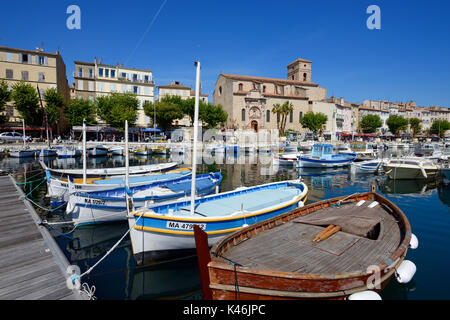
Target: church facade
{"x": 249, "y": 100}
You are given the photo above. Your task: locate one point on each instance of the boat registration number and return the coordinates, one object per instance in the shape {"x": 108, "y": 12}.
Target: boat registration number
{"x": 184, "y": 226}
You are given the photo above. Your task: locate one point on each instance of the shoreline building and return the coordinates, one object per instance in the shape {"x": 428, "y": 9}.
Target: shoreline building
{"x": 176, "y": 88}
{"x": 97, "y": 79}
{"x": 249, "y": 100}
{"x": 39, "y": 69}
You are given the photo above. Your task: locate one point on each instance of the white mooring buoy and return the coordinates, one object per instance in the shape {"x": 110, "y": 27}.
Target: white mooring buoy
{"x": 405, "y": 272}
{"x": 364, "y": 295}
{"x": 414, "y": 243}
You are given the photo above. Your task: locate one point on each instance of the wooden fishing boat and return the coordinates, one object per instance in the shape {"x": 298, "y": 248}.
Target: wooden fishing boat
{"x": 104, "y": 172}
{"x": 98, "y": 151}
{"x": 110, "y": 205}
{"x": 322, "y": 157}
{"x": 279, "y": 259}
{"x": 58, "y": 189}
{"x": 369, "y": 166}
{"x": 167, "y": 228}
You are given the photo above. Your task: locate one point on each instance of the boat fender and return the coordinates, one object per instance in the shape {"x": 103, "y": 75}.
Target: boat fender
{"x": 424, "y": 173}
{"x": 364, "y": 295}
{"x": 69, "y": 208}
{"x": 414, "y": 243}
{"x": 405, "y": 272}
{"x": 301, "y": 204}
{"x": 244, "y": 225}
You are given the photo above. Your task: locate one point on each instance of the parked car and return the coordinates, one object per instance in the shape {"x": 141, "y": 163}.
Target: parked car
{"x": 13, "y": 137}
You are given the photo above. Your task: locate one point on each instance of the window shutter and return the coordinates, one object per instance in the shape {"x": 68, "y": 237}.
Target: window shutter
{"x": 29, "y": 59}
{"x": 20, "y": 58}
{"x": 45, "y": 61}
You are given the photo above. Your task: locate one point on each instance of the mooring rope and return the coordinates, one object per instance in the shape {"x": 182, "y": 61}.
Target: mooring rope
{"x": 237, "y": 294}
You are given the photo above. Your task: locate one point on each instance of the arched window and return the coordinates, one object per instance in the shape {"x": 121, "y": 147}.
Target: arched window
{"x": 291, "y": 117}
{"x": 220, "y": 91}
{"x": 268, "y": 116}
{"x": 300, "y": 116}
{"x": 241, "y": 87}
{"x": 243, "y": 114}
{"x": 264, "y": 88}
{"x": 304, "y": 76}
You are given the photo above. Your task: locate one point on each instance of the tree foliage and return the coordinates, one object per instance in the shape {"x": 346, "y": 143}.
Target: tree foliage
{"x": 314, "y": 121}
{"x": 440, "y": 127}
{"x": 166, "y": 112}
{"x": 414, "y": 124}
{"x": 117, "y": 107}
{"x": 212, "y": 115}
{"x": 370, "y": 123}
{"x": 80, "y": 109}
{"x": 396, "y": 124}
{"x": 54, "y": 102}
{"x": 5, "y": 97}
{"x": 282, "y": 110}
{"x": 26, "y": 101}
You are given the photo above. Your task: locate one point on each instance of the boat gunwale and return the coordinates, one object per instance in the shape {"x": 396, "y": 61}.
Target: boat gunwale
{"x": 222, "y": 245}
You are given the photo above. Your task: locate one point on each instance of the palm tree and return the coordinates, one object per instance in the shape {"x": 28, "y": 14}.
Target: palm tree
{"x": 282, "y": 110}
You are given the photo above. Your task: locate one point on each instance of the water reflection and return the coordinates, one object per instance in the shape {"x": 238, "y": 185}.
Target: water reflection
{"x": 417, "y": 186}
{"x": 118, "y": 277}
{"x": 444, "y": 193}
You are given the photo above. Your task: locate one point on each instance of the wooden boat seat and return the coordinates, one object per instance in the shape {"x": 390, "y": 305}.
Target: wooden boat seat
{"x": 289, "y": 247}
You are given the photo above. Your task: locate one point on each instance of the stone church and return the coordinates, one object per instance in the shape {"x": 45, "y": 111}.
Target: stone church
{"x": 249, "y": 100}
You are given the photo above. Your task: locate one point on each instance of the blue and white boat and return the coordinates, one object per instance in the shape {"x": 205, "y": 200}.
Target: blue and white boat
{"x": 68, "y": 152}
{"x": 98, "y": 151}
{"x": 322, "y": 157}
{"x": 58, "y": 188}
{"x": 169, "y": 227}
{"x": 46, "y": 153}
{"x": 156, "y": 230}
{"x": 110, "y": 205}
{"x": 369, "y": 166}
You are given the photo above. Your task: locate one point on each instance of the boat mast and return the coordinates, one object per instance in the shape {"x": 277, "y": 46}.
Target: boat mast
{"x": 194, "y": 150}
{"x": 23, "y": 128}
{"x": 45, "y": 116}
{"x": 84, "y": 151}
{"x": 127, "y": 165}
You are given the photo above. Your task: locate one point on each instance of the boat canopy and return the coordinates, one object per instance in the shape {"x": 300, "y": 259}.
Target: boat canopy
{"x": 322, "y": 150}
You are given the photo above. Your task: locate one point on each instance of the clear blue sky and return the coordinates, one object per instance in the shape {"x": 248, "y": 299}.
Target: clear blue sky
{"x": 408, "y": 59}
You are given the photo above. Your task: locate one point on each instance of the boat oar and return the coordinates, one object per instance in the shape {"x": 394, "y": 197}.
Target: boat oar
{"x": 329, "y": 233}
{"x": 331, "y": 226}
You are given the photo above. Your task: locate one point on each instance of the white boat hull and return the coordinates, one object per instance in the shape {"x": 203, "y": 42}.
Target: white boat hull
{"x": 402, "y": 173}
{"x": 22, "y": 154}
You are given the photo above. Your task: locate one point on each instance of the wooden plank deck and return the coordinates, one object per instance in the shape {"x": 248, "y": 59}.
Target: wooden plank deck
{"x": 288, "y": 247}
{"x": 32, "y": 265}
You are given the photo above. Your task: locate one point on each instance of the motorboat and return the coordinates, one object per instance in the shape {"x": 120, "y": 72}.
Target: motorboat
{"x": 410, "y": 168}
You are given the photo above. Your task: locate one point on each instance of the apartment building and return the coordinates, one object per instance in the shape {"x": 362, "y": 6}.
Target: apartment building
{"x": 38, "y": 68}
{"x": 176, "y": 88}
{"x": 94, "y": 79}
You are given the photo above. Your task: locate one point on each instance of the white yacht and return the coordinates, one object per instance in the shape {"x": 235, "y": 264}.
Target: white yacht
{"x": 410, "y": 168}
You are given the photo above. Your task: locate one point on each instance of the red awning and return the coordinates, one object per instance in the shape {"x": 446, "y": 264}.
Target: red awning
{"x": 26, "y": 128}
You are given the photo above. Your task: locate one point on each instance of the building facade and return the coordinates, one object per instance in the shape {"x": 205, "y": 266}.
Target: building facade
{"x": 249, "y": 100}
{"x": 175, "y": 88}
{"x": 43, "y": 70}
{"x": 97, "y": 79}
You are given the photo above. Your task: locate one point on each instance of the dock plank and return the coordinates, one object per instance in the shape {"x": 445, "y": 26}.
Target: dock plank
{"x": 31, "y": 266}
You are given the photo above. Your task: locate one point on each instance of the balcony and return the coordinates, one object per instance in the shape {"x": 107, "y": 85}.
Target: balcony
{"x": 83, "y": 75}
{"x": 123, "y": 79}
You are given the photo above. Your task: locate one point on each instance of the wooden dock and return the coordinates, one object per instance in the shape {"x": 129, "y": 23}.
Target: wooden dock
{"x": 32, "y": 266}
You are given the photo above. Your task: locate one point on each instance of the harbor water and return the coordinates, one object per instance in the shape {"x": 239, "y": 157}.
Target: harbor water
{"x": 425, "y": 203}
